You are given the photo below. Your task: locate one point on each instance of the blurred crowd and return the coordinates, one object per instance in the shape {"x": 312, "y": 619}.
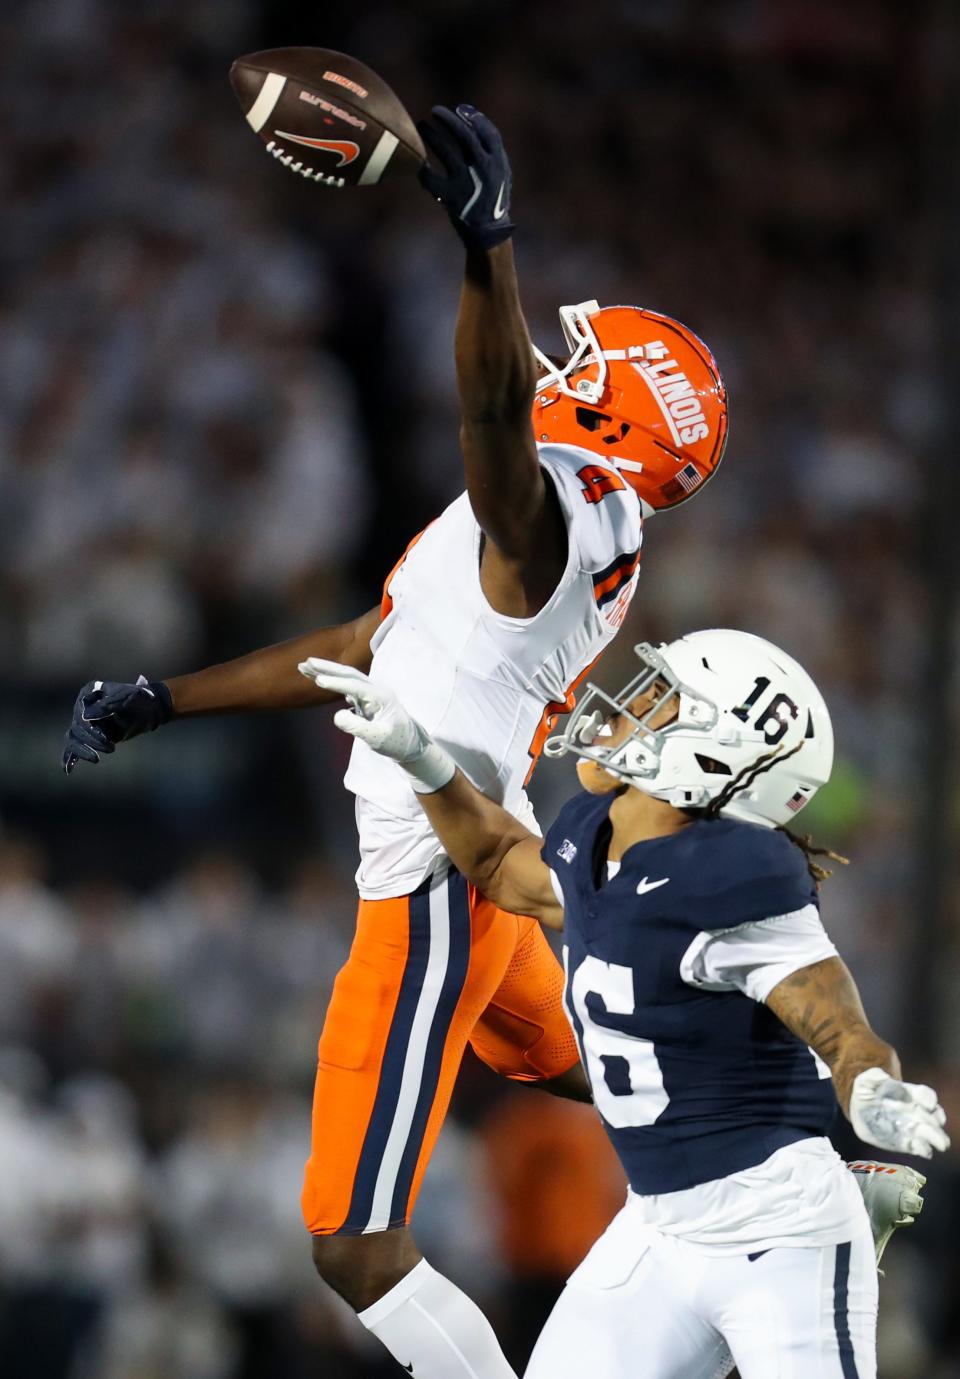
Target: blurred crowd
{"x": 156, "y": 1057}
{"x": 226, "y": 403}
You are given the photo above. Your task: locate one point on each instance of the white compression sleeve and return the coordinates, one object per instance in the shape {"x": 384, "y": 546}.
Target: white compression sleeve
{"x": 434, "y": 1330}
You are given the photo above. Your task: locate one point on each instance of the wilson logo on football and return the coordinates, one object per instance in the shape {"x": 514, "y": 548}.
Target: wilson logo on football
{"x": 345, "y": 148}
{"x": 353, "y": 86}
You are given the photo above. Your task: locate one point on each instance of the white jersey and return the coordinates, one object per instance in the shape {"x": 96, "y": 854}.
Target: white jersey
{"x": 487, "y": 687}
{"x": 803, "y": 1195}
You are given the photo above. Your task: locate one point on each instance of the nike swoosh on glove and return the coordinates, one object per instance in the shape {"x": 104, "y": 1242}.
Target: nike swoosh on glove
{"x": 475, "y": 184}
{"x": 897, "y": 1115}
{"x": 109, "y": 711}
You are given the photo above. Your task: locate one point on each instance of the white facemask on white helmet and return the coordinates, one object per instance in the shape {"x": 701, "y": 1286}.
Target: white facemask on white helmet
{"x": 749, "y": 720}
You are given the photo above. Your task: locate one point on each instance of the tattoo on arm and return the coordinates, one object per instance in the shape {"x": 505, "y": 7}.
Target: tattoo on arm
{"x": 821, "y": 1005}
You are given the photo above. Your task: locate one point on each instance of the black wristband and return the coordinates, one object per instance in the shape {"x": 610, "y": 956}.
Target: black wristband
{"x": 482, "y": 237}
{"x": 164, "y": 701}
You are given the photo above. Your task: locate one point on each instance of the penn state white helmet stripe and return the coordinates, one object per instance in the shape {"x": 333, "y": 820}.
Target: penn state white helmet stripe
{"x": 748, "y": 723}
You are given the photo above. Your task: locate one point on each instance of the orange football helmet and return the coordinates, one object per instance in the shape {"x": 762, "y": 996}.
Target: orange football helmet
{"x": 640, "y": 389}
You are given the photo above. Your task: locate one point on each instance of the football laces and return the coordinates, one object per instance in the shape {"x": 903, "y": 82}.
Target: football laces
{"x": 277, "y": 151}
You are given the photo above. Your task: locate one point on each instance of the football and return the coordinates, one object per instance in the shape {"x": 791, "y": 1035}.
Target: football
{"x": 326, "y": 116}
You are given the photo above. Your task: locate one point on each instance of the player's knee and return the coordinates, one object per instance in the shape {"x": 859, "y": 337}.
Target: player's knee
{"x": 363, "y": 1268}
{"x": 341, "y": 1264}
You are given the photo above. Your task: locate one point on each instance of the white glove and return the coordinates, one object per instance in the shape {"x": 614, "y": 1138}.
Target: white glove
{"x": 905, "y": 1116}
{"x": 377, "y": 718}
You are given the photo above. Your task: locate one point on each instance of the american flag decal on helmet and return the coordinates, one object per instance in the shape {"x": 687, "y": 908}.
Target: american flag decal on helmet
{"x": 797, "y": 801}
{"x": 689, "y": 477}
{"x": 684, "y": 481}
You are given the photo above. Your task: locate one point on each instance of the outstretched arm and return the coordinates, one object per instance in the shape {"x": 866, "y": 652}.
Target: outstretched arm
{"x": 268, "y": 678}
{"x": 512, "y": 500}
{"x": 496, "y": 375}
{"x": 107, "y": 712}
{"x": 820, "y": 1004}
{"x": 492, "y": 849}
{"x": 487, "y": 845}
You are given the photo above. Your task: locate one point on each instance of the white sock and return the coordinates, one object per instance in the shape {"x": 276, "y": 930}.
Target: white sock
{"x": 433, "y": 1329}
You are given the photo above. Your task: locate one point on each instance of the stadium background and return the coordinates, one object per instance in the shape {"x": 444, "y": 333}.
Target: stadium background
{"x": 227, "y": 403}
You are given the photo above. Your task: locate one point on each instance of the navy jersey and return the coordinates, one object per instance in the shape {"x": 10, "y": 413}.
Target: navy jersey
{"x": 692, "y": 1084}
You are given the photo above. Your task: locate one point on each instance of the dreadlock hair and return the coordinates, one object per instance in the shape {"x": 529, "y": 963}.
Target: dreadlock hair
{"x": 805, "y": 844}
{"x": 744, "y": 778}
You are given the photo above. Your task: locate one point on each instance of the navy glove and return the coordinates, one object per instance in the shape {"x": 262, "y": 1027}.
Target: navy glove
{"x": 107, "y": 712}
{"x": 474, "y": 187}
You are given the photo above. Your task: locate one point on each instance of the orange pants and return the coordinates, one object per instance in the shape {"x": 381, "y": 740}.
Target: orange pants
{"x": 427, "y": 973}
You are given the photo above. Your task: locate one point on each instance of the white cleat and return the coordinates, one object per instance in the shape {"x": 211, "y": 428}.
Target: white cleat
{"x": 891, "y": 1195}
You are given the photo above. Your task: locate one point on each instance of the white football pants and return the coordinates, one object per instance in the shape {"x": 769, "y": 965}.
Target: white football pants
{"x": 654, "y": 1307}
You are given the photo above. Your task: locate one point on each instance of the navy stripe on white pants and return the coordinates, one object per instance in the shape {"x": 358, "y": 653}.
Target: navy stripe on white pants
{"x": 644, "y": 1305}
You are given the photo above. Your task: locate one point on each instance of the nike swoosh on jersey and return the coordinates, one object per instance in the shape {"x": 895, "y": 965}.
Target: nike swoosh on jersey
{"x": 499, "y": 210}
{"x": 645, "y": 885}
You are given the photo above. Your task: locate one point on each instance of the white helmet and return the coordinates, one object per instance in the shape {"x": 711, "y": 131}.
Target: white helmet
{"x": 750, "y": 721}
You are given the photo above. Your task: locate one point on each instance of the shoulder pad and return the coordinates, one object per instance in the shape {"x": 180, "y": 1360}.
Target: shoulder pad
{"x": 747, "y": 872}
{"x": 603, "y": 513}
